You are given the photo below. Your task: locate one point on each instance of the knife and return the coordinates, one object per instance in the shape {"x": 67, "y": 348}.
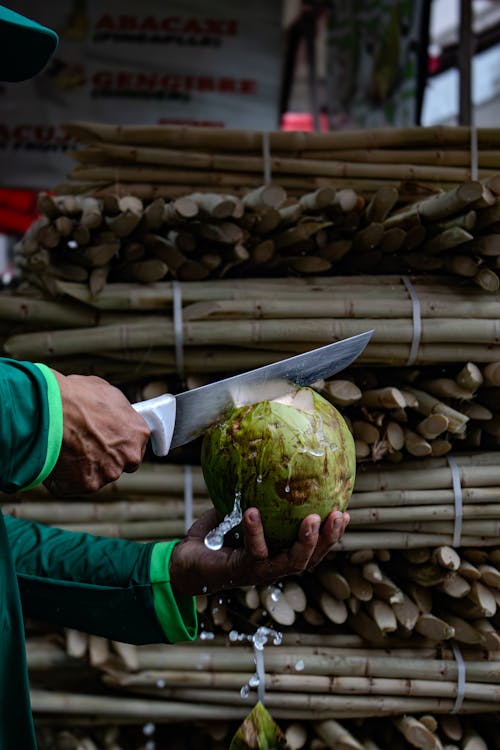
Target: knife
{"x": 176, "y": 420}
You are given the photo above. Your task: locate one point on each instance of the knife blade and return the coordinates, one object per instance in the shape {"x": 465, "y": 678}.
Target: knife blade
{"x": 176, "y": 420}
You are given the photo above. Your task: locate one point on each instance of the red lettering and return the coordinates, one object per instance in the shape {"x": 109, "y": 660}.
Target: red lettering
{"x": 171, "y": 23}
{"x": 248, "y": 86}
{"x": 171, "y": 83}
{"x": 192, "y": 26}
{"x": 205, "y": 84}
{"x": 219, "y": 27}
{"x": 107, "y": 80}
{"x": 22, "y": 132}
{"x": 147, "y": 81}
{"x": 103, "y": 80}
{"x": 128, "y": 23}
{"x": 44, "y": 133}
{"x": 227, "y": 86}
{"x": 149, "y": 24}
{"x": 105, "y": 23}
{"x": 124, "y": 80}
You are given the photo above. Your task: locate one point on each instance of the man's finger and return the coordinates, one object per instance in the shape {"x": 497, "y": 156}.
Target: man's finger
{"x": 302, "y": 550}
{"x": 332, "y": 531}
{"x": 255, "y": 541}
{"x": 207, "y": 522}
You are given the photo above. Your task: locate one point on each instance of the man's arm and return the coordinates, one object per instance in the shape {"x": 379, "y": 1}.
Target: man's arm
{"x": 75, "y": 433}
{"x": 103, "y": 586}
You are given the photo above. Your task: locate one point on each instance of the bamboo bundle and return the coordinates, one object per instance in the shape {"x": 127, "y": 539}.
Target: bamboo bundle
{"x": 426, "y": 154}
{"x": 297, "y": 319}
{"x": 406, "y": 505}
{"x": 298, "y": 685}
{"x": 330, "y": 230}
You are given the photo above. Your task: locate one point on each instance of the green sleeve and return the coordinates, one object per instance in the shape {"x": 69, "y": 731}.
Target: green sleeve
{"x": 31, "y": 423}
{"x": 177, "y": 616}
{"x": 95, "y": 584}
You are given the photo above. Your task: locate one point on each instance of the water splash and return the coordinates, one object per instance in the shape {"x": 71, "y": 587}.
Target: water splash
{"x": 259, "y": 639}
{"x": 276, "y": 594}
{"x": 206, "y": 636}
{"x": 245, "y": 691}
{"x": 263, "y": 634}
{"x": 215, "y": 538}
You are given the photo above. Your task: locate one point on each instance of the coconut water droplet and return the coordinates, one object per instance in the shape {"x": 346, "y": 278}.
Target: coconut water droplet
{"x": 287, "y": 488}
{"x": 259, "y": 479}
{"x": 299, "y": 666}
{"x": 275, "y": 595}
{"x": 160, "y": 683}
{"x": 148, "y": 729}
{"x": 215, "y": 538}
{"x": 206, "y": 636}
{"x": 245, "y": 692}
{"x": 254, "y": 681}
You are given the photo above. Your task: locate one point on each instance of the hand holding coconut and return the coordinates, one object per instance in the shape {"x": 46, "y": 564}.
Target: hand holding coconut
{"x": 195, "y": 569}
{"x": 289, "y": 465}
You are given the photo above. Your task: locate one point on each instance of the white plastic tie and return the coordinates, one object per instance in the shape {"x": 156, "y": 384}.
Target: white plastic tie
{"x": 461, "y": 679}
{"x": 188, "y": 498}
{"x": 416, "y": 318}
{"x": 473, "y": 152}
{"x": 457, "y": 492}
{"x": 178, "y": 328}
{"x": 266, "y": 157}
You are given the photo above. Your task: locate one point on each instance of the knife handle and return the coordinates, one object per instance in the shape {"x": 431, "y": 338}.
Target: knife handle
{"x": 159, "y": 415}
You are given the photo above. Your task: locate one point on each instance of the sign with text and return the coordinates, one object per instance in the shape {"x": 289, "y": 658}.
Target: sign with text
{"x": 182, "y": 62}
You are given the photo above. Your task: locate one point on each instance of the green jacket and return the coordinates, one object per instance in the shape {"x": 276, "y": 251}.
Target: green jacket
{"x": 110, "y": 587}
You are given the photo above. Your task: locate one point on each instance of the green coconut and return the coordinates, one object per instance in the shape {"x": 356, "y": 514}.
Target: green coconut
{"x": 288, "y": 457}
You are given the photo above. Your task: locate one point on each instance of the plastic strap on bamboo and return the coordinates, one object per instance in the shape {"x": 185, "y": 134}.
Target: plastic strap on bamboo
{"x": 457, "y": 493}
{"x": 266, "y": 157}
{"x": 416, "y": 318}
{"x": 473, "y": 153}
{"x": 461, "y": 679}
{"x": 178, "y": 328}
{"x": 260, "y": 672}
{"x": 188, "y": 498}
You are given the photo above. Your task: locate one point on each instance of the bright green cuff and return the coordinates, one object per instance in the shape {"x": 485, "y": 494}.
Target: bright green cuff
{"x": 177, "y": 616}
{"x": 55, "y": 433}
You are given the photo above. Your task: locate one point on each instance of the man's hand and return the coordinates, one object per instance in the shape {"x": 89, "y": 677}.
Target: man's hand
{"x": 103, "y": 436}
{"x": 195, "y": 569}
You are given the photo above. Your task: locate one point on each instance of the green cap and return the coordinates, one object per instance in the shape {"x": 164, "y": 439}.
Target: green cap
{"x": 25, "y": 46}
